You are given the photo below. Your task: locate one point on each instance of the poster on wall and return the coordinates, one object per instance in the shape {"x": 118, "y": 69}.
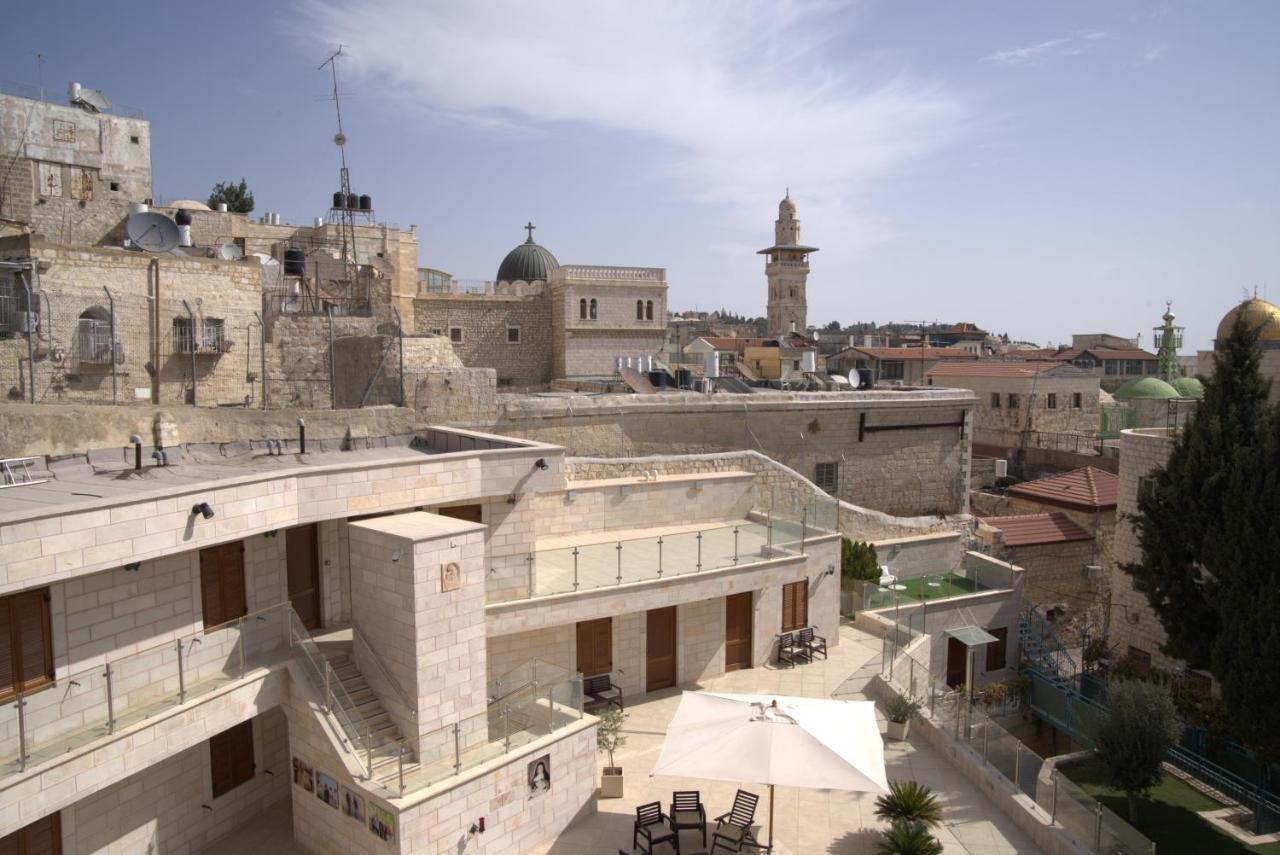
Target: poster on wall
{"x": 352, "y": 805}
{"x": 382, "y": 823}
{"x": 539, "y": 775}
{"x": 326, "y": 789}
{"x": 302, "y": 775}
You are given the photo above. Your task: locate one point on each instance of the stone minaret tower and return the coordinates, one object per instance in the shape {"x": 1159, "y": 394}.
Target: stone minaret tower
{"x": 787, "y": 269}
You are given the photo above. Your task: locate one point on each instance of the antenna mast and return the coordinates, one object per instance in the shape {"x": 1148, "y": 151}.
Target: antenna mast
{"x": 345, "y": 216}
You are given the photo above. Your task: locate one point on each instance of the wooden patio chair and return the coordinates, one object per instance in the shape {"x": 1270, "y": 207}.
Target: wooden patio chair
{"x": 651, "y": 824}
{"x": 733, "y": 829}
{"x": 602, "y": 691}
{"x": 687, "y": 812}
{"x": 812, "y": 643}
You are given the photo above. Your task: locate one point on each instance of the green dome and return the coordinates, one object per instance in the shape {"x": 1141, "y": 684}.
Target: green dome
{"x": 1152, "y": 388}
{"x": 1189, "y": 387}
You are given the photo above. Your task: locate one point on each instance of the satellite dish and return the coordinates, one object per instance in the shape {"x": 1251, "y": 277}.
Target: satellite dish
{"x": 90, "y": 99}
{"x": 152, "y": 232}
{"x": 230, "y": 252}
{"x": 339, "y": 139}
{"x": 854, "y": 379}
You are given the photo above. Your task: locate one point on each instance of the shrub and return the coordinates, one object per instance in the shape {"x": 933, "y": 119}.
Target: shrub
{"x": 609, "y": 735}
{"x": 858, "y": 561}
{"x": 909, "y": 838}
{"x": 909, "y": 801}
{"x": 900, "y": 708}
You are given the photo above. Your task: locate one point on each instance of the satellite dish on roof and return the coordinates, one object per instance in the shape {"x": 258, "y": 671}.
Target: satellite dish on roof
{"x": 854, "y": 380}
{"x": 89, "y": 99}
{"x": 152, "y": 232}
{"x": 230, "y": 251}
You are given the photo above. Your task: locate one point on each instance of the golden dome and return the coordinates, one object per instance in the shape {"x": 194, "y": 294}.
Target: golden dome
{"x": 1258, "y": 314}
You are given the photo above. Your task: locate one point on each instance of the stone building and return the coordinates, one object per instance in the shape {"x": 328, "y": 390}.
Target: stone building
{"x": 539, "y": 320}
{"x": 902, "y": 365}
{"x": 787, "y": 269}
{"x": 1023, "y": 398}
{"x": 68, "y": 170}
{"x": 1263, "y": 316}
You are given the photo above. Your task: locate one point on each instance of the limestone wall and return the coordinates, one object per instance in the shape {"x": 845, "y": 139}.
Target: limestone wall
{"x": 906, "y": 470}
{"x": 485, "y": 323}
{"x": 1063, "y": 418}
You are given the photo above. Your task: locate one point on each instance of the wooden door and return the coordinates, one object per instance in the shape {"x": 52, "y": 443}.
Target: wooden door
{"x": 737, "y": 631}
{"x": 222, "y": 583}
{"x": 302, "y": 562}
{"x": 957, "y": 653}
{"x": 42, "y": 837}
{"x": 595, "y": 647}
{"x": 470, "y": 513}
{"x": 660, "y": 649}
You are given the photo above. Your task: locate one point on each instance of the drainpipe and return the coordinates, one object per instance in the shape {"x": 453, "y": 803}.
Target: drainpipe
{"x": 400, "y": 334}
{"x": 333, "y": 389}
{"x": 111, "y": 303}
{"x": 262, "y": 351}
{"x": 192, "y": 316}
{"x": 31, "y": 347}
{"x": 155, "y": 331}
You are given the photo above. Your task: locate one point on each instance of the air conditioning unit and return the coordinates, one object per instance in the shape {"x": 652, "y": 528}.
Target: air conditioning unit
{"x": 1002, "y": 468}
{"x": 28, "y": 322}
{"x": 1093, "y": 572}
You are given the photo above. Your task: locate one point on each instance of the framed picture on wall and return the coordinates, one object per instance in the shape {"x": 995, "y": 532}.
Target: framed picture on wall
{"x": 450, "y": 576}
{"x": 326, "y": 789}
{"x": 382, "y": 823}
{"x": 302, "y": 775}
{"x": 352, "y": 805}
{"x": 539, "y": 775}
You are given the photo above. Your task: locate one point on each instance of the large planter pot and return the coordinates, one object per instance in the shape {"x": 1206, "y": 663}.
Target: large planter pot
{"x": 611, "y": 782}
{"x": 897, "y": 729}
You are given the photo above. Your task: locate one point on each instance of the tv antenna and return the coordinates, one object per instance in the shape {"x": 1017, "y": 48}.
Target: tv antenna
{"x": 346, "y": 219}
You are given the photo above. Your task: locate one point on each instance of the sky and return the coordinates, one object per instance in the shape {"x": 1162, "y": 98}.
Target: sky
{"x": 1038, "y": 168}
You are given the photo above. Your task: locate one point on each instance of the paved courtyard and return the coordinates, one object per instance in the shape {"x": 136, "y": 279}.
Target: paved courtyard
{"x": 807, "y": 821}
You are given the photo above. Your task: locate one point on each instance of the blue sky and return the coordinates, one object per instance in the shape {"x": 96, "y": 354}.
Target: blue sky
{"x": 1038, "y": 168}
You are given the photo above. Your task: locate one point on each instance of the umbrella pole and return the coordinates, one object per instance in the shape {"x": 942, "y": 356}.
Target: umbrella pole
{"x": 771, "y": 817}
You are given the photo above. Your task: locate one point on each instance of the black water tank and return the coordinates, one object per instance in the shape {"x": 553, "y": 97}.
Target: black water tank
{"x": 183, "y": 217}
{"x": 864, "y": 378}
{"x": 658, "y": 379}
{"x": 339, "y": 199}
{"x": 353, "y": 201}
{"x": 295, "y": 262}
{"x": 366, "y": 202}
{"x": 684, "y": 378}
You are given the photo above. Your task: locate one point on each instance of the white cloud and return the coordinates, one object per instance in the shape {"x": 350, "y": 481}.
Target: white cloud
{"x": 1150, "y": 55}
{"x": 1073, "y": 45}
{"x": 740, "y": 90}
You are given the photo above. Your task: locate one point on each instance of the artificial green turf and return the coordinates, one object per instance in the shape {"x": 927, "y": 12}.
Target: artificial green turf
{"x": 949, "y": 585}
{"x": 1168, "y": 815}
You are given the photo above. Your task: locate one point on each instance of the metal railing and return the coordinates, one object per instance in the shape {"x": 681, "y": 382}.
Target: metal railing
{"x": 1092, "y": 824}
{"x": 383, "y": 674}
{"x": 921, "y": 590}
{"x": 77, "y": 708}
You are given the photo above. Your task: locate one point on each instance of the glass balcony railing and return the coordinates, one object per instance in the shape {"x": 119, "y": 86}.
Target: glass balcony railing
{"x": 972, "y": 578}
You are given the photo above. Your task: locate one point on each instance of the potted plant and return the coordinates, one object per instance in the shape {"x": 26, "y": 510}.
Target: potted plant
{"x": 609, "y": 738}
{"x": 909, "y": 801}
{"x": 899, "y": 711}
{"x": 908, "y": 838}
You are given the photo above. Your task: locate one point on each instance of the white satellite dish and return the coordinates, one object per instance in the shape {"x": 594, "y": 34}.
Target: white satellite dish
{"x": 230, "y": 252}
{"x": 853, "y": 378}
{"x": 91, "y": 99}
{"x": 152, "y": 232}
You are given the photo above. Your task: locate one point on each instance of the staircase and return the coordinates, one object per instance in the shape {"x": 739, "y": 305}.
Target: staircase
{"x": 1043, "y": 650}
{"x": 374, "y": 736}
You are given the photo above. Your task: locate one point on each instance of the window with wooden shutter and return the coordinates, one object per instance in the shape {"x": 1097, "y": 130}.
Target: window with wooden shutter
{"x": 595, "y": 647}
{"x": 231, "y": 758}
{"x": 26, "y": 642}
{"x": 222, "y": 596}
{"x": 997, "y": 651}
{"x": 795, "y": 606}
{"x": 42, "y": 837}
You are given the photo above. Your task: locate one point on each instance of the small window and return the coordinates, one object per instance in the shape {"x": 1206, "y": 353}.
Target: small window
{"x": 1013, "y": 400}
{"x": 1146, "y": 488}
{"x": 648, "y": 310}
{"x": 215, "y": 340}
{"x": 795, "y": 605}
{"x": 998, "y": 650}
{"x": 115, "y": 186}
{"x": 592, "y": 306}
{"x": 995, "y": 400}
{"x": 639, "y": 310}
{"x": 231, "y": 758}
{"x": 582, "y": 309}
{"x": 513, "y": 335}
{"x": 26, "y": 642}
{"x": 437, "y": 331}
{"x": 455, "y": 335}
{"x": 827, "y": 476}
{"x": 1051, "y": 400}
{"x": 892, "y": 369}
{"x": 134, "y": 139}
{"x": 1077, "y": 400}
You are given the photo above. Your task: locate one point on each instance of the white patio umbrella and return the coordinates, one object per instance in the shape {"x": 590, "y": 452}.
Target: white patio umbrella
{"x": 815, "y": 743}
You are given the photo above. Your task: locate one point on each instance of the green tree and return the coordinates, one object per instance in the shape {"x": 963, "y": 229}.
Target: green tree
{"x": 1182, "y": 522}
{"x": 858, "y": 561}
{"x": 908, "y": 838}
{"x": 1135, "y": 735}
{"x": 909, "y": 801}
{"x": 609, "y": 735}
{"x": 237, "y": 196}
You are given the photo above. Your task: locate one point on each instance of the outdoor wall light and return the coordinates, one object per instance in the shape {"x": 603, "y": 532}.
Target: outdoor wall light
{"x": 133, "y": 566}
{"x": 395, "y": 556}
{"x": 203, "y": 510}
{"x": 541, "y": 463}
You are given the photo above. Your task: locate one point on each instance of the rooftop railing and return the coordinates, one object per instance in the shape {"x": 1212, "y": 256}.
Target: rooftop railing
{"x": 970, "y": 578}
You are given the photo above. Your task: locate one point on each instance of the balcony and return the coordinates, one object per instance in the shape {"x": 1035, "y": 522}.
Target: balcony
{"x": 976, "y": 575}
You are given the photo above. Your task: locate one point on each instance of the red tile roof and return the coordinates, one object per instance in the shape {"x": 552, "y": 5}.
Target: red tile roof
{"x": 730, "y": 343}
{"x": 921, "y": 353}
{"x": 1107, "y": 353}
{"x": 1038, "y": 529}
{"x": 1088, "y": 488}
{"x": 992, "y": 369}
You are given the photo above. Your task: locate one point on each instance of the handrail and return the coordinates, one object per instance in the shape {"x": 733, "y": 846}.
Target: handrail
{"x": 356, "y": 634}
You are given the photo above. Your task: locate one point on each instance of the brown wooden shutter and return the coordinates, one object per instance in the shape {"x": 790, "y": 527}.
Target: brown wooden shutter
{"x": 8, "y": 673}
{"x": 35, "y": 634}
{"x": 231, "y": 758}
{"x": 595, "y": 647}
{"x": 222, "y": 594}
{"x": 788, "y": 608}
{"x": 42, "y": 837}
{"x": 795, "y": 606}
{"x": 802, "y": 604}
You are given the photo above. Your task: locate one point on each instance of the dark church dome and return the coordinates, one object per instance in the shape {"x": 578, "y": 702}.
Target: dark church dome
{"x": 528, "y": 262}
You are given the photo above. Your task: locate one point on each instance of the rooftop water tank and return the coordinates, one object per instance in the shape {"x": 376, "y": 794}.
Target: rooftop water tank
{"x": 295, "y": 262}
{"x": 366, "y": 202}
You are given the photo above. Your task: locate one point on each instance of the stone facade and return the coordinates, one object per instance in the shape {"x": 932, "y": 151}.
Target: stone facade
{"x": 1031, "y": 411}
{"x": 509, "y": 334}
{"x": 787, "y": 269}
{"x": 75, "y": 172}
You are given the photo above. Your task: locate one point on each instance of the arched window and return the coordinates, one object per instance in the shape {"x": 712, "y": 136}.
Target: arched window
{"x": 639, "y": 310}
{"x": 593, "y": 310}
{"x": 582, "y": 309}
{"x": 648, "y": 311}
{"x": 95, "y": 336}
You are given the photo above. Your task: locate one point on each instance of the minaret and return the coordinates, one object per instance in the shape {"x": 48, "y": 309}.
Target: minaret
{"x": 787, "y": 269}
{"x": 1168, "y": 339}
